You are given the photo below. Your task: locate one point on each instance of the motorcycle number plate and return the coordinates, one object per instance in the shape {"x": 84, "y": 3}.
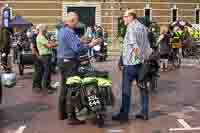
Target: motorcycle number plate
{"x": 93, "y": 100}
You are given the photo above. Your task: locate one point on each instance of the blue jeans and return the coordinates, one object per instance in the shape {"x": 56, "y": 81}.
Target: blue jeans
{"x": 46, "y": 75}
{"x": 130, "y": 73}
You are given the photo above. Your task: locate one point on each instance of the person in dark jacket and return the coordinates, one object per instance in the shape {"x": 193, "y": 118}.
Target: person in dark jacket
{"x": 165, "y": 48}
{"x": 37, "y": 75}
{"x": 5, "y": 35}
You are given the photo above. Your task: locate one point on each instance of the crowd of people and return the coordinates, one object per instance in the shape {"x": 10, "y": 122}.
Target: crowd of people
{"x": 141, "y": 52}
{"x": 136, "y": 50}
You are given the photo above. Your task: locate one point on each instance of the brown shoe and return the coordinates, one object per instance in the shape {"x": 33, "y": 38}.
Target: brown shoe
{"x": 75, "y": 121}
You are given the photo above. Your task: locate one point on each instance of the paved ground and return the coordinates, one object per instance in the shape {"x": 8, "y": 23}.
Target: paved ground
{"x": 177, "y": 98}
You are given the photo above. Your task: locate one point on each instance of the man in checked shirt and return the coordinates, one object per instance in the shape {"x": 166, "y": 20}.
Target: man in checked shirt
{"x": 136, "y": 49}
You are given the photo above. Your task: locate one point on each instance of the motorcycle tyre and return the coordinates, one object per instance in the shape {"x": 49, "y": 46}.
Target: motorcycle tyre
{"x": 100, "y": 120}
{"x": 62, "y": 105}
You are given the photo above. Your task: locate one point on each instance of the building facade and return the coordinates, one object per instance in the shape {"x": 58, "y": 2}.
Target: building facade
{"x": 103, "y": 12}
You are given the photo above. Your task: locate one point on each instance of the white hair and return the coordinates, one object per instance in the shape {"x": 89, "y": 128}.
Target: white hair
{"x": 70, "y": 16}
{"x": 42, "y": 27}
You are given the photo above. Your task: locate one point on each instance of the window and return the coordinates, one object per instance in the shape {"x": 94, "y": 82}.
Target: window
{"x": 148, "y": 12}
{"x": 174, "y": 14}
{"x": 197, "y": 16}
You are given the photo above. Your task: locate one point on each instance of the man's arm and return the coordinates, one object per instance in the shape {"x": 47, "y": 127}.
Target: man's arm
{"x": 132, "y": 41}
{"x": 75, "y": 43}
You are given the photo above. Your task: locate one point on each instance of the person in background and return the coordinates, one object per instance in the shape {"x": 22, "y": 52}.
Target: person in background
{"x": 5, "y": 40}
{"x": 165, "y": 48}
{"x": 136, "y": 49}
{"x": 45, "y": 52}
{"x": 90, "y": 34}
{"x": 186, "y": 41}
{"x": 69, "y": 49}
{"x": 99, "y": 34}
{"x": 37, "y": 75}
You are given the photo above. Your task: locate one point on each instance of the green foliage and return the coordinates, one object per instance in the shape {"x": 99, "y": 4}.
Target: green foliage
{"x": 121, "y": 28}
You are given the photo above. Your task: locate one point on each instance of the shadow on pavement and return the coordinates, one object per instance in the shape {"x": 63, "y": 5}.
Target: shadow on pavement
{"x": 20, "y": 113}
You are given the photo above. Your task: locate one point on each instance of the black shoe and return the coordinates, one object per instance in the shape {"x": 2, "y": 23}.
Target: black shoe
{"x": 142, "y": 117}
{"x": 116, "y": 117}
{"x": 75, "y": 121}
{"x": 120, "y": 118}
{"x": 52, "y": 88}
{"x": 49, "y": 91}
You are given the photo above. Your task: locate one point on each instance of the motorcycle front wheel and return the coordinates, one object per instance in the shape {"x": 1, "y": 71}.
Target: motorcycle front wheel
{"x": 62, "y": 104}
{"x": 100, "y": 120}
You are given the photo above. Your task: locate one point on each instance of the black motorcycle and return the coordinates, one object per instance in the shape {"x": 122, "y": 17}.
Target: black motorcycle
{"x": 88, "y": 89}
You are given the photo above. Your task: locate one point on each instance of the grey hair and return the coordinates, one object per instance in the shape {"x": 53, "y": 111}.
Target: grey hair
{"x": 70, "y": 16}
{"x": 42, "y": 27}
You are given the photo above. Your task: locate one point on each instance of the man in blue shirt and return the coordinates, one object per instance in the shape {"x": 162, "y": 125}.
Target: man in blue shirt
{"x": 70, "y": 47}
{"x": 136, "y": 50}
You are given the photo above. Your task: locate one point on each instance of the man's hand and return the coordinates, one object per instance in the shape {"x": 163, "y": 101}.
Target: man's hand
{"x": 51, "y": 44}
{"x": 85, "y": 40}
{"x": 135, "y": 51}
{"x": 95, "y": 42}
{"x": 120, "y": 67}
{"x": 120, "y": 63}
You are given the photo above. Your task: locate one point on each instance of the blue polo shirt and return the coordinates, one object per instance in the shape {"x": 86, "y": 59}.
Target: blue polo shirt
{"x": 69, "y": 45}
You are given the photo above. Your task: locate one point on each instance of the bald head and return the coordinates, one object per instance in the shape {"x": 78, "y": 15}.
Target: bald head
{"x": 71, "y": 20}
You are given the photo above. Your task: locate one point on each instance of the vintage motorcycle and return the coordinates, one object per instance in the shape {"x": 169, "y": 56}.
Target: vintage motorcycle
{"x": 89, "y": 90}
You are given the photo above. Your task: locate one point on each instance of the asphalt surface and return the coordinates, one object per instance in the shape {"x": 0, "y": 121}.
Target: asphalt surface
{"x": 178, "y": 97}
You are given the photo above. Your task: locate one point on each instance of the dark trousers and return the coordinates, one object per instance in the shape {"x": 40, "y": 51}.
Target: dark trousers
{"x": 54, "y": 60}
{"x": 4, "y": 59}
{"x": 38, "y": 71}
{"x": 67, "y": 69}
{"x": 46, "y": 67}
{"x": 130, "y": 73}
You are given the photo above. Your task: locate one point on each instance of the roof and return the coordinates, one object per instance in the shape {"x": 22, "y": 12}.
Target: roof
{"x": 19, "y": 20}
